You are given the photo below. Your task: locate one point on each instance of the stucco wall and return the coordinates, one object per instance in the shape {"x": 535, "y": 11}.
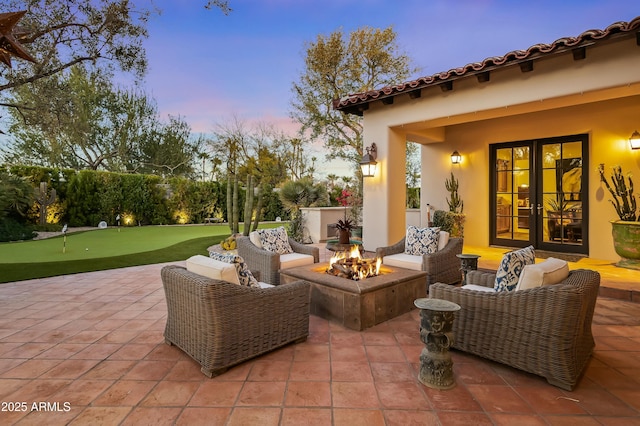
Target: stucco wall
{"x": 609, "y": 125}
{"x": 599, "y": 95}
{"x": 317, "y": 218}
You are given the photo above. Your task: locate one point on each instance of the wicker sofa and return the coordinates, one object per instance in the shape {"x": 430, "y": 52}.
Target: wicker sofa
{"x": 544, "y": 331}
{"x": 267, "y": 263}
{"x": 220, "y": 324}
{"x": 442, "y": 266}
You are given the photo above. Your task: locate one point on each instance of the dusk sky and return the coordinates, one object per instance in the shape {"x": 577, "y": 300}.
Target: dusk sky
{"x": 208, "y": 67}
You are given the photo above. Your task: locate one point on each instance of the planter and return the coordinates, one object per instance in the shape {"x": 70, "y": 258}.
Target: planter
{"x": 626, "y": 241}
{"x": 344, "y": 236}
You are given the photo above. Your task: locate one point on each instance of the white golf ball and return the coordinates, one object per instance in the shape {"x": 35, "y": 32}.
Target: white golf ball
{"x": 87, "y": 249}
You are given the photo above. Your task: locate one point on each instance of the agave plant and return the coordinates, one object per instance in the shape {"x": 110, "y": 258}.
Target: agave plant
{"x": 345, "y": 224}
{"x": 623, "y": 199}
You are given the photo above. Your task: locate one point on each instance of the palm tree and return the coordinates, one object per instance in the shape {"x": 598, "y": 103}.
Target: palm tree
{"x": 331, "y": 180}
{"x": 204, "y": 157}
{"x": 16, "y": 196}
{"x": 301, "y": 193}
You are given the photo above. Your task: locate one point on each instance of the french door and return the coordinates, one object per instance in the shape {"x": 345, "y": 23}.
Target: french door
{"x": 539, "y": 194}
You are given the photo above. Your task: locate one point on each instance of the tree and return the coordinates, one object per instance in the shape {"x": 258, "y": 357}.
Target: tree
{"x": 335, "y": 67}
{"x": 166, "y": 149}
{"x": 61, "y": 34}
{"x": 412, "y": 177}
{"x": 78, "y": 119}
{"x": 227, "y": 145}
{"x": 258, "y": 158}
{"x": 291, "y": 152}
{"x": 16, "y": 196}
{"x": 223, "y": 5}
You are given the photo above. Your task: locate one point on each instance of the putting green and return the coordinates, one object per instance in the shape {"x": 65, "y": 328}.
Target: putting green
{"x": 104, "y": 243}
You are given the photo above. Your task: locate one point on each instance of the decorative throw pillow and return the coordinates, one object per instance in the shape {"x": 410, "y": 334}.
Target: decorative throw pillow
{"x": 254, "y": 237}
{"x": 275, "y": 240}
{"x": 443, "y": 240}
{"x": 421, "y": 241}
{"x": 245, "y": 277}
{"x": 511, "y": 266}
{"x": 550, "y": 271}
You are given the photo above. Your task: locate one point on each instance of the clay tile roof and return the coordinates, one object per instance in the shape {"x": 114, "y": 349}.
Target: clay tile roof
{"x": 352, "y": 103}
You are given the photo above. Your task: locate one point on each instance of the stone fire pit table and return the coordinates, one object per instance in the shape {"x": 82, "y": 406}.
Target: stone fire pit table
{"x": 359, "y": 304}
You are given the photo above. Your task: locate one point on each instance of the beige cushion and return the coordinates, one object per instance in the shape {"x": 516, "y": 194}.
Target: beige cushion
{"x": 550, "y": 271}
{"x": 403, "y": 260}
{"x": 254, "y": 237}
{"x": 477, "y": 287}
{"x": 211, "y": 268}
{"x": 291, "y": 260}
{"x": 443, "y": 239}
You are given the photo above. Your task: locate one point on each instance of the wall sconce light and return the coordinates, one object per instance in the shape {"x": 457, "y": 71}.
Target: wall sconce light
{"x": 456, "y": 158}
{"x": 368, "y": 163}
{"x": 634, "y": 140}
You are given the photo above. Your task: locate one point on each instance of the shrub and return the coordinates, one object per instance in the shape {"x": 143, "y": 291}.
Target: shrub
{"x": 12, "y": 230}
{"x": 451, "y": 222}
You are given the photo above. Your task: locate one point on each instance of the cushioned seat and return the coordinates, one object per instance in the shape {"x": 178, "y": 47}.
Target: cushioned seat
{"x": 218, "y": 270}
{"x": 282, "y": 252}
{"x": 441, "y": 266}
{"x": 544, "y": 330}
{"x": 403, "y": 260}
{"x": 220, "y": 324}
{"x": 292, "y": 260}
{"x": 211, "y": 268}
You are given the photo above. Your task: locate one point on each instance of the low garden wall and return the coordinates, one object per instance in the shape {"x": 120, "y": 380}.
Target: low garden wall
{"x": 317, "y": 220}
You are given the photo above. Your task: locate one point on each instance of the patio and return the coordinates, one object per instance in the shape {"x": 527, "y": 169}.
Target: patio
{"x": 94, "y": 341}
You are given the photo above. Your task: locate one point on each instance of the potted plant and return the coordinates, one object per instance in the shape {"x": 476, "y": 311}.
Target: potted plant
{"x": 626, "y": 230}
{"x": 456, "y": 206}
{"x": 352, "y": 204}
{"x": 344, "y": 227}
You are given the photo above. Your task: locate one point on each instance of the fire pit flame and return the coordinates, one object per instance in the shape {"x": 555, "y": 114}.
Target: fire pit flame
{"x": 351, "y": 265}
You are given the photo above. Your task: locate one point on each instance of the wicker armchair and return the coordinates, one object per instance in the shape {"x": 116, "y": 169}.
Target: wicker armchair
{"x": 220, "y": 324}
{"x": 442, "y": 266}
{"x": 544, "y": 330}
{"x": 267, "y": 263}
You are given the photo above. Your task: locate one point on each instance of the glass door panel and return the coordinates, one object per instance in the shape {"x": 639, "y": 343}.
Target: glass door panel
{"x": 538, "y": 191}
{"x": 562, "y": 194}
{"x": 511, "y": 201}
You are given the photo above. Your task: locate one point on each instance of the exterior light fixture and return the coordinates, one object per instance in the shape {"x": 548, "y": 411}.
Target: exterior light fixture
{"x": 368, "y": 164}
{"x": 634, "y": 140}
{"x": 456, "y": 158}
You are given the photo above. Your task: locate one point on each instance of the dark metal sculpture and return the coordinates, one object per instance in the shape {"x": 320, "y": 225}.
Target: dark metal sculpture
{"x": 9, "y": 45}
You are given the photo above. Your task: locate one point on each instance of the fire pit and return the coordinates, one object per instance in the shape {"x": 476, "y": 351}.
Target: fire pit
{"x": 351, "y": 265}
{"x": 359, "y": 303}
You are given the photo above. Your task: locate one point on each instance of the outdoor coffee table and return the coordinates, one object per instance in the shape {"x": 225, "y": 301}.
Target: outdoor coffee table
{"x": 359, "y": 304}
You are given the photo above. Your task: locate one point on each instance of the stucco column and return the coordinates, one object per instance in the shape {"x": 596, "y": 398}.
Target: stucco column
{"x": 384, "y": 204}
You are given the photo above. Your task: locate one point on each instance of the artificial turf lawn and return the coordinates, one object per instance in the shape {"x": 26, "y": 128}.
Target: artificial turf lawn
{"x": 108, "y": 249}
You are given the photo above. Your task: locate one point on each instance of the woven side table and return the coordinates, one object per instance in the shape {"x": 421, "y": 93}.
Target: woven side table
{"x": 436, "y": 324}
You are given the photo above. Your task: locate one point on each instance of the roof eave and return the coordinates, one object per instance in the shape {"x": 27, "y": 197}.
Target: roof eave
{"x": 358, "y": 103}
